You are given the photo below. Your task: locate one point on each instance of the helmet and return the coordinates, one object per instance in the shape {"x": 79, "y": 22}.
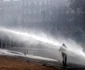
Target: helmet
{"x": 64, "y": 45}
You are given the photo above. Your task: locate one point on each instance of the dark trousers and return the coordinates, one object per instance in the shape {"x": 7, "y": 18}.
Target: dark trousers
{"x": 64, "y": 56}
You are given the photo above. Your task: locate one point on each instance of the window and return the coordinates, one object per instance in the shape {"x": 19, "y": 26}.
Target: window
{"x": 16, "y": 0}
{"x": 29, "y": 12}
{"x": 35, "y": 2}
{"x": 29, "y": 3}
{"x": 35, "y": 12}
{"x": 40, "y": 3}
{"x": 6, "y": 0}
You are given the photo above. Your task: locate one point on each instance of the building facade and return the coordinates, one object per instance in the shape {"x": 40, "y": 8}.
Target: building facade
{"x": 25, "y": 12}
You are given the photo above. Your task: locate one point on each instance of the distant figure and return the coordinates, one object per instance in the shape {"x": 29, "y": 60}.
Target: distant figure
{"x": 26, "y": 52}
{"x": 63, "y": 49}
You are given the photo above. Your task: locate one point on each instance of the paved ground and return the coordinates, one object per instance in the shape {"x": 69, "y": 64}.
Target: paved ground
{"x": 9, "y": 63}
{"x": 12, "y": 63}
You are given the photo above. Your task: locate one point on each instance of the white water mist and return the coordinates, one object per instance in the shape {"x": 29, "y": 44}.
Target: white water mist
{"x": 74, "y": 49}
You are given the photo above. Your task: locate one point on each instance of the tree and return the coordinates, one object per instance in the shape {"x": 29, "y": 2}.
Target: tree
{"x": 78, "y": 6}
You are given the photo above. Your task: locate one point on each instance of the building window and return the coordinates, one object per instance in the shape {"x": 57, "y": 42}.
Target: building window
{"x": 16, "y": 0}
{"x": 35, "y": 2}
{"x": 50, "y": 13}
{"x": 29, "y": 12}
{"x": 6, "y": 0}
{"x": 40, "y": 3}
{"x": 29, "y": 3}
{"x": 1, "y": 9}
{"x": 35, "y": 12}
{"x": 45, "y": 2}
{"x": 40, "y": 11}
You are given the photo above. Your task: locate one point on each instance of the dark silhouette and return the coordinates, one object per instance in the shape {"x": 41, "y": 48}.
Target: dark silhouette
{"x": 63, "y": 49}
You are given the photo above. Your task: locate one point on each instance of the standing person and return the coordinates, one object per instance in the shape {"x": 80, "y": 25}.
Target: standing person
{"x": 63, "y": 49}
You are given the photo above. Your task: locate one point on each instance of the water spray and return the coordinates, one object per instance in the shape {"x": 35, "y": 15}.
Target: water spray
{"x": 26, "y": 36}
{"x": 44, "y": 39}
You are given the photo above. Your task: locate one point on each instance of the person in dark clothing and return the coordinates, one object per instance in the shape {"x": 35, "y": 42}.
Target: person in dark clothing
{"x": 63, "y": 49}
